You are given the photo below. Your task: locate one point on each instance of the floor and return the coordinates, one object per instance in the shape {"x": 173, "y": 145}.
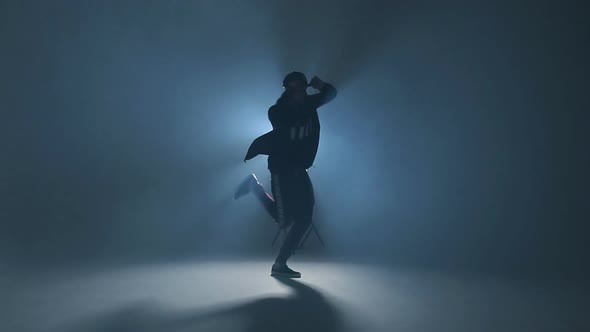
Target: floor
{"x": 239, "y": 295}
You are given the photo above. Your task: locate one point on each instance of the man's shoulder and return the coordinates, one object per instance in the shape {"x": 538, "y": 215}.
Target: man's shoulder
{"x": 272, "y": 111}
{"x": 276, "y": 110}
{"x": 275, "y": 115}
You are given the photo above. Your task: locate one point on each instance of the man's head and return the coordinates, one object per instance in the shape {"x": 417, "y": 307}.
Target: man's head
{"x": 295, "y": 83}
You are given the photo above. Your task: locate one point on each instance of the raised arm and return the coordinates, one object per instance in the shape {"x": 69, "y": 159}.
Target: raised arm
{"x": 327, "y": 92}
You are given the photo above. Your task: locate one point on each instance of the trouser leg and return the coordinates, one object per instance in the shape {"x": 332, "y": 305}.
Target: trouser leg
{"x": 300, "y": 202}
{"x": 293, "y": 238}
{"x": 281, "y": 189}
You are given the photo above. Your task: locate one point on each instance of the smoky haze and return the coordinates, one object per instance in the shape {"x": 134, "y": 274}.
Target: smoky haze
{"x": 458, "y": 138}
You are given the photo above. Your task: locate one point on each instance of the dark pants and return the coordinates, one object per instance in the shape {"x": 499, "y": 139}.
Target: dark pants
{"x": 292, "y": 204}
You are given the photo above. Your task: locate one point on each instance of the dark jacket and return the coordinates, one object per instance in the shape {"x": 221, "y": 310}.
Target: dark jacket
{"x": 294, "y": 140}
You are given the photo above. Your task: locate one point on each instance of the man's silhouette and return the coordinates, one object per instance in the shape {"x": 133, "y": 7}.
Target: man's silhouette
{"x": 291, "y": 148}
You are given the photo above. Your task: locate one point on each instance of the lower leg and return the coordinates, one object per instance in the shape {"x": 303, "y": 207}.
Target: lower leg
{"x": 292, "y": 240}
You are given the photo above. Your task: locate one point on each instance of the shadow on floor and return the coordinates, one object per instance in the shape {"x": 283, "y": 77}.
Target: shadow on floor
{"x": 303, "y": 310}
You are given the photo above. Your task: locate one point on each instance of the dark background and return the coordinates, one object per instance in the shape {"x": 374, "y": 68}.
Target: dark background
{"x": 458, "y": 139}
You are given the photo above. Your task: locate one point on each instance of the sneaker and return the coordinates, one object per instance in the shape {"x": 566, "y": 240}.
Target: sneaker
{"x": 246, "y": 186}
{"x": 282, "y": 270}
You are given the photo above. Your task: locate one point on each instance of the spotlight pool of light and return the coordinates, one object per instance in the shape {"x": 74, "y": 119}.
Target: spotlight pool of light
{"x": 236, "y": 295}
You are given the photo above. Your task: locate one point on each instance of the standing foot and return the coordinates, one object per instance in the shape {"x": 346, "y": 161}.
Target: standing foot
{"x": 282, "y": 270}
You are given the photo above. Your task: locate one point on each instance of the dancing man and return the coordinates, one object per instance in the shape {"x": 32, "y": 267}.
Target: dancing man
{"x": 291, "y": 148}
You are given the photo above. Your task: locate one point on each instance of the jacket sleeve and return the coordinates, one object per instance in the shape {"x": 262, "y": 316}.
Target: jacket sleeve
{"x": 261, "y": 145}
{"x": 326, "y": 95}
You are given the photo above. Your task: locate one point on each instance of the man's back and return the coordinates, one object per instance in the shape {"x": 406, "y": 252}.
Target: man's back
{"x": 297, "y": 127}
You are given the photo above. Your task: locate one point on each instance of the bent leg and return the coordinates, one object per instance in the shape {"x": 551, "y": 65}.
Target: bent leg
{"x": 266, "y": 199}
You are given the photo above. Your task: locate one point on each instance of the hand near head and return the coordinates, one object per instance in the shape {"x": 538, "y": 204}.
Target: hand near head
{"x": 316, "y": 83}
